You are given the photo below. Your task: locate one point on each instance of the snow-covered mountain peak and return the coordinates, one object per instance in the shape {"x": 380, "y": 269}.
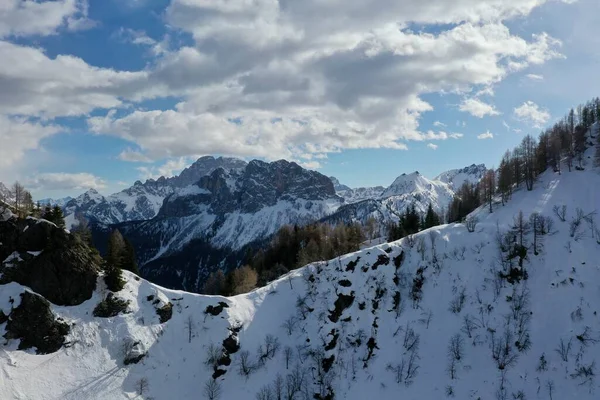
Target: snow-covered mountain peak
{"x": 337, "y": 185}
{"x": 408, "y": 183}
{"x": 457, "y": 177}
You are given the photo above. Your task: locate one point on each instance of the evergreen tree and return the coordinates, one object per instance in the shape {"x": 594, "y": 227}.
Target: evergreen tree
{"x": 116, "y": 249}
{"x": 58, "y": 217}
{"x": 431, "y": 218}
{"x": 129, "y": 261}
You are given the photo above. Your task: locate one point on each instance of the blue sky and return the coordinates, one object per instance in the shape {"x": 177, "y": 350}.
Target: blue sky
{"x": 102, "y": 93}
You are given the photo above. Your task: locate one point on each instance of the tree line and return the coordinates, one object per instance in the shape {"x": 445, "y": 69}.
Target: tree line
{"x": 291, "y": 247}
{"x": 563, "y": 143}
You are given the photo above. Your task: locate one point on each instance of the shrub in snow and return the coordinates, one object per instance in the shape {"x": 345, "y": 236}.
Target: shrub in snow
{"x": 111, "y": 306}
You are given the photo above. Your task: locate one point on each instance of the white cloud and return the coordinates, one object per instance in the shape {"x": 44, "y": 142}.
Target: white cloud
{"x": 300, "y": 76}
{"x": 168, "y": 169}
{"x": 439, "y": 124}
{"x": 506, "y": 125}
{"x": 133, "y": 156}
{"x": 65, "y": 181}
{"x": 477, "y": 108}
{"x": 24, "y": 18}
{"x": 18, "y": 135}
{"x": 432, "y": 146}
{"x": 486, "y": 135}
{"x": 535, "y": 77}
{"x": 531, "y": 114}
{"x": 456, "y": 135}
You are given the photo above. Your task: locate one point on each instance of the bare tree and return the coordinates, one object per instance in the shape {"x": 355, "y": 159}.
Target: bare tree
{"x": 457, "y": 303}
{"x": 18, "y": 192}
{"x": 421, "y": 247}
{"x": 288, "y": 354}
{"x": 290, "y": 325}
{"x": 189, "y": 327}
{"x": 469, "y": 325}
{"x": 564, "y": 349}
{"x": 265, "y": 393}
{"x": 212, "y": 390}
{"x": 471, "y": 223}
{"x": 142, "y": 386}
{"x": 268, "y": 349}
{"x": 245, "y": 365}
{"x": 456, "y": 347}
{"x": 213, "y": 354}
{"x": 560, "y": 212}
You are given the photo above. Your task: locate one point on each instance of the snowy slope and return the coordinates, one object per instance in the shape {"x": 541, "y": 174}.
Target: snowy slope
{"x": 345, "y": 308}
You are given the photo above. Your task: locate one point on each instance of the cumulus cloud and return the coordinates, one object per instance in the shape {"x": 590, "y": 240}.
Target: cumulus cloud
{"x": 455, "y": 135}
{"x": 24, "y": 18}
{"x": 168, "y": 169}
{"x": 477, "y": 108}
{"x": 275, "y": 79}
{"x": 485, "y": 135}
{"x": 432, "y": 146}
{"x": 65, "y": 181}
{"x": 18, "y": 135}
{"x": 439, "y": 124}
{"x": 531, "y": 114}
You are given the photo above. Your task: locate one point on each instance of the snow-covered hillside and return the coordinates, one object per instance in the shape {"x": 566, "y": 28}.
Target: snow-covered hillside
{"x": 427, "y": 317}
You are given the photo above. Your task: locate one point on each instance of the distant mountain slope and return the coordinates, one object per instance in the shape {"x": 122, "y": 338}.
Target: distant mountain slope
{"x": 456, "y": 177}
{"x": 55, "y": 202}
{"x": 142, "y": 201}
{"x": 431, "y": 319}
{"x": 201, "y": 226}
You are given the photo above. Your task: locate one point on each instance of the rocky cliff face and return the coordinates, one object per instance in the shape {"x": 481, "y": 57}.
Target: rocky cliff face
{"x": 142, "y": 201}
{"x": 207, "y": 225}
{"x": 47, "y": 259}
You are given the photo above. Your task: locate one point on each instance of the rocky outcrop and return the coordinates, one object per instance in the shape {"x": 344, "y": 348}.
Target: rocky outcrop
{"x": 142, "y": 201}
{"x": 48, "y": 259}
{"x": 35, "y": 325}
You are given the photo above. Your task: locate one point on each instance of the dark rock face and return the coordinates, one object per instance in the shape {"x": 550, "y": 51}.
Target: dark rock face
{"x": 64, "y": 271}
{"x": 165, "y": 312}
{"x": 33, "y": 322}
{"x": 248, "y": 190}
{"x": 146, "y": 197}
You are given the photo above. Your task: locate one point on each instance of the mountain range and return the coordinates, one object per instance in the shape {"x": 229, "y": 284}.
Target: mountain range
{"x": 451, "y": 312}
{"x": 218, "y": 209}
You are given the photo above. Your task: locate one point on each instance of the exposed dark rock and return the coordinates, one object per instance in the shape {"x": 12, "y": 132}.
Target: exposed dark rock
{"x": 66, "y": 268}
{"x": 343, "y": 301}
{"x": 382, "y": 259}
{"x": 231, "y": 344}
{"x": 216, "y": 310}
{"x": 352, "y": 265}
{"x": 399, "y": 259}
{"x": 165, "y": 312}
{"x": 345, "y": 283}
{"x": 34, "y": 323}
